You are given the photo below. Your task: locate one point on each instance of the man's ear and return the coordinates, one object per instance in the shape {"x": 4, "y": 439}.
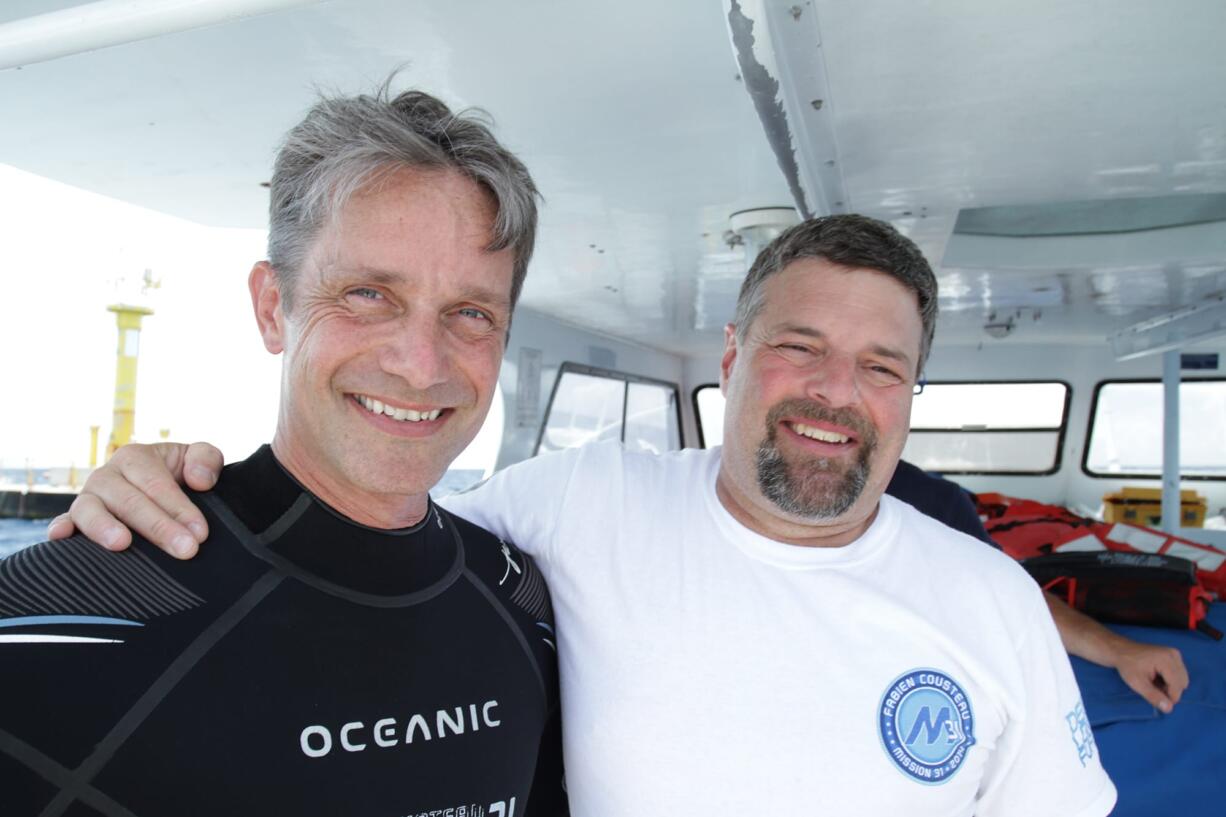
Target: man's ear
{"x": 729, "y": 358}
{"x": 266, "y": 301}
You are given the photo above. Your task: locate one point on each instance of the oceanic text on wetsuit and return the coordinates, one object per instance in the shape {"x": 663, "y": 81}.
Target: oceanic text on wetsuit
{"x": 355, "y": 736}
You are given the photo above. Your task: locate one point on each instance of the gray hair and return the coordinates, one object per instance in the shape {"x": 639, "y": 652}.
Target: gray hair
{"x": 849, "y": 241}
{"x": 346, "y": 144}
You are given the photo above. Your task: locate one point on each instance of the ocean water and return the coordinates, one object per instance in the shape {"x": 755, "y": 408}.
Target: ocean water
{"x": 16, "y": 534}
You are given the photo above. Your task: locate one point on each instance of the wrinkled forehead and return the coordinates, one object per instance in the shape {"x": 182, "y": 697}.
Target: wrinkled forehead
{"x": 411, "y": 212}
{"x": 857, "y": 305}
{"x": 807, "y": 281}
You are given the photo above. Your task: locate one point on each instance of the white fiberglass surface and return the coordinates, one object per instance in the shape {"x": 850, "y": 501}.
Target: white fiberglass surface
{"x": 635, "y": 122}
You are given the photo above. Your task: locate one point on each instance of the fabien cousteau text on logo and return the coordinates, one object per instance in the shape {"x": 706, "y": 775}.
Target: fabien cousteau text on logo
{"x": 926, "y": 725}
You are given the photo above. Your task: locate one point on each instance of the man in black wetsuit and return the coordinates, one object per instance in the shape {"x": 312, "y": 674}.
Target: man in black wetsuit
{"x": 343, "y": 646}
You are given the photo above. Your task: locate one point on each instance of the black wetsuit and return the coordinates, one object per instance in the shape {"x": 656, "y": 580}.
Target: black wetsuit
{"x": 301, "y": 664}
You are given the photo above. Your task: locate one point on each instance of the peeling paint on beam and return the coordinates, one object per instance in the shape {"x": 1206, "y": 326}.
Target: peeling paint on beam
{"x": 764, "y": 91}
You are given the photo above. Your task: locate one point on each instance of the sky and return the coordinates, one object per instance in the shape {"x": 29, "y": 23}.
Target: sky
{"x": 65, "y": 255}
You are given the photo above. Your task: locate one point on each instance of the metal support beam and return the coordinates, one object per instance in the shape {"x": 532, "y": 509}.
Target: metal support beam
{"x": 1171, "y": 509}
{"x": 1192, "y": 324}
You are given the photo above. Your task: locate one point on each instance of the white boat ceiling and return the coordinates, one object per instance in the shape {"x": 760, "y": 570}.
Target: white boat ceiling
{"x": 638, "y": 127}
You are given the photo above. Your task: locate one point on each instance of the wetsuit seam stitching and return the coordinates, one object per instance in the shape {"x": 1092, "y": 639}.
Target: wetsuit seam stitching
{"x": 258, "y": 547}
{"x": 286, "y": 521}
{"x": 57, "y": 774}
{"x": 162, "y": 686}
{"x": 507, "y": 619}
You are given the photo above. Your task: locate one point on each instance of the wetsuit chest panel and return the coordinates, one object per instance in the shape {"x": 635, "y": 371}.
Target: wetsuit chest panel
{"x": 345, "y": 709}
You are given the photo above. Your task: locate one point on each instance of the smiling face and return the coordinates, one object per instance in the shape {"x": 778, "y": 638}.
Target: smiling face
{"x": 819, "y": 401}
{"x": 393, "y": 343}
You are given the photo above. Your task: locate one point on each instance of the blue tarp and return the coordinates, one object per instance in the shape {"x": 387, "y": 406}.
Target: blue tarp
{"x": 1164, "y": 764}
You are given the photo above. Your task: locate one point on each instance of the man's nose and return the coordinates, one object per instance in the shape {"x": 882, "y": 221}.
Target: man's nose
{"x": 416, "y": 350}
{"x": 834, "y": 381}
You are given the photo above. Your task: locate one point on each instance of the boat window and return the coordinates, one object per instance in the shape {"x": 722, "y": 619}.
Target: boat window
{"x": 1125, "y": 436}
{"x": 709, "y": 412}
{"x": 960, "y": 428}
{"x": 1002, "y": 427}
{"x": 590, "y": 404}
{"x": 476, "y": 462}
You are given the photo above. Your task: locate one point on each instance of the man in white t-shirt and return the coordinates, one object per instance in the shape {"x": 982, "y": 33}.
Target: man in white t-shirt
{"x": 758, "y": 629}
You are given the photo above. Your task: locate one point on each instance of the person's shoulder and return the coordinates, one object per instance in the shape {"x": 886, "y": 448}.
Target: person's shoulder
{"x": 946, "y": 548}
{"x": 926, "y": 491}
{"x": 601, "y": 461}
{"x": 606, "y": 451}
{"x": 76, "y": 576}
{"x": 502, "y": 567}
{"x": 483, "y": 547}
{"x": 473, "y": 535}
{"x": 598, "y": 457}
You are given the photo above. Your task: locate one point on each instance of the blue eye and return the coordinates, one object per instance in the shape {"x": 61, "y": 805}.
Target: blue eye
{"x": 471, "y": 312}
{"x": 366, "y": 292}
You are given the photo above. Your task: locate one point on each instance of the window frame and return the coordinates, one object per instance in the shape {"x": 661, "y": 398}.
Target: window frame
{"x": 702, "y": 438}
{"x": 1085, "y": 454}
{"x": 611, "y": 374}
{"x": 1061, "y": 430}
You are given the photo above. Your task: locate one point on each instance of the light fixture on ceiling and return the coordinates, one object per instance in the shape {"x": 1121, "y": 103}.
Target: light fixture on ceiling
{"x": 1000, "y": 328}
{"x": 755, "y": 228}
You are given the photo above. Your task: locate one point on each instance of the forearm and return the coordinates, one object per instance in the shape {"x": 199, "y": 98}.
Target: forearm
{"x": 1083, "y": 636}
{"x": 1155, "y": 672}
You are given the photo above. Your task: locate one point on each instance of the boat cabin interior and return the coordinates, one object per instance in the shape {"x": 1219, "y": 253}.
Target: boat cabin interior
{"x": 1061, "y": 164}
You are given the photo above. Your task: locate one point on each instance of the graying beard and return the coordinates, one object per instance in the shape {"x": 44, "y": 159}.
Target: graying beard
{"x": 778, "y": 486}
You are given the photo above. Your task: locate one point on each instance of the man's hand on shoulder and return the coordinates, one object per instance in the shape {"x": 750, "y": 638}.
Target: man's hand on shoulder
{"x": 139, "y": 487}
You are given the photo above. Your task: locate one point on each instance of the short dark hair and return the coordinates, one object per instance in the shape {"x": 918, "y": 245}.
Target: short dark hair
{"x": 849, "y": 241}
{"x": 345, "y": 144}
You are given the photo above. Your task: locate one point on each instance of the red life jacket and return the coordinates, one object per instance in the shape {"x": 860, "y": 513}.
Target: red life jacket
{"x": 1026, "y": 530}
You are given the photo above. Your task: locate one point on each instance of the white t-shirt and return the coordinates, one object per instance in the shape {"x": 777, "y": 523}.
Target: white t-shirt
{"x": 708, "y": 670}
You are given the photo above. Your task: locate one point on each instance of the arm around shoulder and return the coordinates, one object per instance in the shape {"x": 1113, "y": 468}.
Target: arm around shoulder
{"x": 522, "y": 503}
{"x": 138, "y": 489}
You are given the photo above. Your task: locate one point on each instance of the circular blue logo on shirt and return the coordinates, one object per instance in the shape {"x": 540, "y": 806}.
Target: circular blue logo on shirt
{"x": 926, "y": 724}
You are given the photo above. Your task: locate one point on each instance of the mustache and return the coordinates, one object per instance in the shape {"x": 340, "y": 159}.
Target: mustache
{"x": 848, "y": 418}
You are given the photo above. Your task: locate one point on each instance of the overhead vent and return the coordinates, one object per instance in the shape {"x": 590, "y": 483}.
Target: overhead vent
{"x": 1093, "y": 217}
